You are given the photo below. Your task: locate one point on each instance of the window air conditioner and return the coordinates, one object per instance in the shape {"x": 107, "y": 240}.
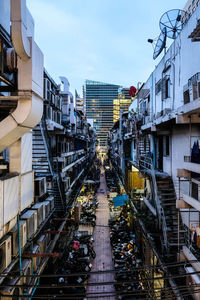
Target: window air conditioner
{"x": 40, "y": 208}
{"x": 51, "y": 201}
{"x": 43, "y": 242}
{"x": 11, "y": 289}
{"x": 15, "y": 237}
{"x": 5, "y": 252}
{"x": 47, "y": 208}
{"x": 31, "y": 222}
{"x": 40, "y": 186}
{"x": 26, "y": 271}
{"x": 36, "y": 260}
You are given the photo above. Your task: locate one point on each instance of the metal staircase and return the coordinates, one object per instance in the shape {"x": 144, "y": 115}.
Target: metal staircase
{"x": 40, "y": 161}
{"x": 167, "y": 196}
{"x": 165, "y": 199}
{"x": 56, "y": 193}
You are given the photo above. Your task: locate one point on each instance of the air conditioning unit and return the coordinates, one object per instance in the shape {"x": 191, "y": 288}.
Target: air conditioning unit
{"x": 193, "y": 280}
{"x": 58, "y": 102}
{"x": 147, "y": 119}
{"x": 66, "y": 182}
{"x": 15, "y": 237}
{"x": 43, "y": 242}
{"x": 59, "y": 105}
{"x": 166, "y": 111}
{"x": 31, "y": 222}
{"x": 40, "y": 186}
{"x": 26, "y": 272}
{"x": 48, "y": 112}
{"x": 11, "y": 289}
{"x": 51, "y": 201}
{"x": 40, "y": 207}
{"x": 47, "y": 208}
{"x": 52, "y": 98}
{"x": 47, "y": 88}
{"x": 36, "y": 260}
{"x": 55, "y": 116}
{"x": 5, "y": 252}
{"x": 59, "y": 117}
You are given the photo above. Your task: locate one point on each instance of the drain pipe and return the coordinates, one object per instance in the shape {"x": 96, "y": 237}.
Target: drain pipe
{"x": 29, "y": 108}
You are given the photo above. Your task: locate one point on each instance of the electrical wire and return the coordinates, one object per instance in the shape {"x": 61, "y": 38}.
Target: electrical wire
{"x": 112, "y": 282}
{"x": 128, "y": 270}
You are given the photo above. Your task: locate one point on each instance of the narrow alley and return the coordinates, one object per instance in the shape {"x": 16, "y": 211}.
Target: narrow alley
{"x": 99, "y": 170}
{"x": 102, "y": 247}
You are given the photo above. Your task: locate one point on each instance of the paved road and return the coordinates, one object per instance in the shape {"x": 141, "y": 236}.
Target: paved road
{"x": 103, "y": 260}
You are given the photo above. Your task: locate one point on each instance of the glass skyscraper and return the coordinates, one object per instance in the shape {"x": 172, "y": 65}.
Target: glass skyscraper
{"x": 123, "y": 101}
{"x": 99, "y": 99}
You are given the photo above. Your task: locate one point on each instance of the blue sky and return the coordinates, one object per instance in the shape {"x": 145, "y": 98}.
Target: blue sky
{"x": 102, "y": 40}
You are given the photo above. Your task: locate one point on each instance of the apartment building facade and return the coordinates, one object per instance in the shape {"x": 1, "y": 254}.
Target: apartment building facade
{"x": 158, "y": 141}
{"x": 46, "y": 149}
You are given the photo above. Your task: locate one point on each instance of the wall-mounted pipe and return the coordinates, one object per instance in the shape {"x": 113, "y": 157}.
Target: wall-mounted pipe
{"x": 26, "y": 116}
{"x": 19, "y": 29}
{"x": 29, "y": 108}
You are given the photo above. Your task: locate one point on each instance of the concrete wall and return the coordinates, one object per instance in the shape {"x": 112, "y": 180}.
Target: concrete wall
{"x": 182, "y": 57}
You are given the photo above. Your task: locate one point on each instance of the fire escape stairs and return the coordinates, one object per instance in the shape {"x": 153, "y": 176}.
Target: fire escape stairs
{"x": 174, "y": 231}
{"x": 40, "y": 160}
{"x": 42, "y": 164}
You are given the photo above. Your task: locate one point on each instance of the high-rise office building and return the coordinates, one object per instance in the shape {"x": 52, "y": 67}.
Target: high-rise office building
{"x": 99, "y": 99}
{"x": 79, "y": 103}
{"x": 122, "y": 102}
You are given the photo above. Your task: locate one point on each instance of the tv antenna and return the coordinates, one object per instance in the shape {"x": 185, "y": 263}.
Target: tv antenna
{"x": 160, "y": 44}
{"x": 173, "y": 21}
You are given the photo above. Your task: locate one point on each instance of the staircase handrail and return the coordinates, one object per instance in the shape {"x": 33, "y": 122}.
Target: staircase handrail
{"x": 46, "y": 146}
{"x": 146, "y": 162}
{"x": 49, "y": 157}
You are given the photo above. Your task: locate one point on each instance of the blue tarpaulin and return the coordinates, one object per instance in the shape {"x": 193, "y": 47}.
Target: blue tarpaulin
{"x": 120, "y": 200}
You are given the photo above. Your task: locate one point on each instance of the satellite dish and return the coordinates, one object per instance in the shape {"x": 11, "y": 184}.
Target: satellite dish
{"x": 173, "y": 21}
{"x": 161, "y": 43}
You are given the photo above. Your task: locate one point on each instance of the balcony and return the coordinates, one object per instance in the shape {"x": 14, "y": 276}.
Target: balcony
{"x": 191, "y": 166}
{"x": 188, "y": 201}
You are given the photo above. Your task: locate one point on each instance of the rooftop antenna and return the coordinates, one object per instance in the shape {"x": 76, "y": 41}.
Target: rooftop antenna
{"x": 171, "y": 24}
{"x": 161, "y": 43}
{"x": 173, "y": 21}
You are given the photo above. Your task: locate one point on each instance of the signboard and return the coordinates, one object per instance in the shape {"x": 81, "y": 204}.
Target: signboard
{"x": 194, "y": 226}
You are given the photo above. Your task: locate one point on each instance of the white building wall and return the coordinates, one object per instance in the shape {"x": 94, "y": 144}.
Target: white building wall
{"x": 183, "y": 56}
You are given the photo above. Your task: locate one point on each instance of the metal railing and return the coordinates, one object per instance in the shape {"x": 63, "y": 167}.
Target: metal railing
{"x": 146, "y": 162}
{"x": 45, "y": 138}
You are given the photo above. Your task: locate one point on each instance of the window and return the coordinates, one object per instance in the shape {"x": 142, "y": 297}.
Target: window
{"x": 198, "y": 88}
{"x": 158, "y": 86}
{"x": 166, "y": 88}
{"x": 186, "y": 96}
{"x": 195, "y": 91}
{"x": 166, "y": 145}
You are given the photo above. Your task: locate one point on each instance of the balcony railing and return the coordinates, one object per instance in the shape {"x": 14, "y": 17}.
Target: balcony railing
{"x": 191, "y": 165}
